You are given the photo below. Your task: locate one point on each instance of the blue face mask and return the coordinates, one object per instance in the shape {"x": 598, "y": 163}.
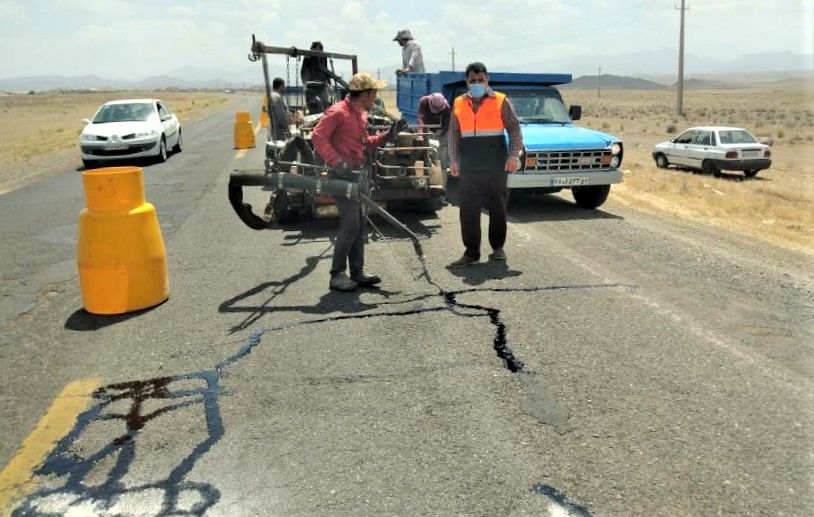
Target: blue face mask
{"x": 477, "y": 90}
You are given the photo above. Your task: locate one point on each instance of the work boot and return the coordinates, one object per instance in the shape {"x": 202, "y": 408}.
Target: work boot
{"x": 464, "y": 261}
{"x": 341, "y": 282}
{"x": 498, "y": 254}
{"x": 363, "y": 280}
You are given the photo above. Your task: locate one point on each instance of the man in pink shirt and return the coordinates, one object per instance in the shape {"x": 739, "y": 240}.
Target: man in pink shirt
{"x": 341, "y": 139}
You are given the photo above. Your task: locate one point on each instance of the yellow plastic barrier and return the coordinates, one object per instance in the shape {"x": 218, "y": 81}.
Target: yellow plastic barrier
{"x": 244, "y": 130}
{"x": 121, "y": 256}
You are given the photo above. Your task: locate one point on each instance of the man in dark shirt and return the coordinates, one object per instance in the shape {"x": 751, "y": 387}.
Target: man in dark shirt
{"x": 341, "y": 139}
{"x": 479, "y": 153}
{"x": 315, "y": 70}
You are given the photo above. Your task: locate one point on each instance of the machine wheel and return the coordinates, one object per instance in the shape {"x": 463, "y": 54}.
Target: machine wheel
{"x": 710, "y": 168}
{"x": 277, "y": 211}
{"x": 430, "y": 206}
{"x": 661, "y": 161}
{"x": 752, "y": 173}
{"x": 178, "y": 147}
{"x": 590, "y": 197}
{"x": 162, "y": 150}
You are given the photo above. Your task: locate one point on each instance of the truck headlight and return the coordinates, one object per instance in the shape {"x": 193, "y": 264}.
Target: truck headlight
{"x": 616, "y": 154}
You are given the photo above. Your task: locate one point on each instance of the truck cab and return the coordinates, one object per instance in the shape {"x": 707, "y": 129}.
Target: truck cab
{"x": 557, "y": 153}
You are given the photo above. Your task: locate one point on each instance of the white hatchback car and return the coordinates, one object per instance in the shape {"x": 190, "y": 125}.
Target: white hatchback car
{"x": 712, "y": 149}
{"x": 128, "y": 129}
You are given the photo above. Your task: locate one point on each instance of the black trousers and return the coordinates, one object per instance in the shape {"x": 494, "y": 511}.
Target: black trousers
{"x": 478, "y": 191}
{"x": 349, "y": 248}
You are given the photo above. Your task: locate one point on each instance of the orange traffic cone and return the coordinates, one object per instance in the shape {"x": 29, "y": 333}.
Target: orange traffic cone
{"x": 121, "y": 256}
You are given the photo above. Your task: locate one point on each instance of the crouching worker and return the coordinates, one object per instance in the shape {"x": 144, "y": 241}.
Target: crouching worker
{"x": 341, "y": 140}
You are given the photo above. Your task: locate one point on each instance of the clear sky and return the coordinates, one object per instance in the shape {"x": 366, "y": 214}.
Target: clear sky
{"x": 135, "y": 39}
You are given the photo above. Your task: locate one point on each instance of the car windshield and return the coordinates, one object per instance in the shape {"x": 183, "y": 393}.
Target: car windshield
{"x": 736, "y": 136}
{"x": 539, "y": 106}
{"x": 139, "y": 111}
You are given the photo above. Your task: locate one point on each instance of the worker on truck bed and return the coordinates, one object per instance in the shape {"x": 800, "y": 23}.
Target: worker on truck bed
{"x": 478, "y": 153}
{"x": 412, "y": 60}
{"x": 341, "y": 139}
{"x": 315, "y": 70}
{"x": 434, "y": 110}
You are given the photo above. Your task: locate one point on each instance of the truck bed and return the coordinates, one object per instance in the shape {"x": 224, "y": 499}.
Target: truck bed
{"x": 411, "y": 87}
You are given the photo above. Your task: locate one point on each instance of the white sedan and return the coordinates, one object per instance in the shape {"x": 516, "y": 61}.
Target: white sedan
{"x": 128, "y": 129}
{"x": 712, "y": 149}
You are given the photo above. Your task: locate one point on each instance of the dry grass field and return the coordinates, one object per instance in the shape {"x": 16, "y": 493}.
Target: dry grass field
{"x": 777, "y": 205}
{"x": 33, "y": 125}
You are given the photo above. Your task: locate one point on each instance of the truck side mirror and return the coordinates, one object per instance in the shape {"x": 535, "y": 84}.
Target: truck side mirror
{"x": 575, "y": 112}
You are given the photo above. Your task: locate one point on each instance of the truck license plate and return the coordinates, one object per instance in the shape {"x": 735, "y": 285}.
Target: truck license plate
{"x": 568, "y": 182}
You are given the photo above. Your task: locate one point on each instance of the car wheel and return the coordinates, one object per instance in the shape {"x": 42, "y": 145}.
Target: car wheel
{"x": 162, "y": 150}
{"x": 661, "y": 161}
{"x": 751, "y": 174}
{"x": 177, "y": 148}
{"x": 710, "y": 168}
{"x": 88, "y": 164}
{"x": 590, "y": 197}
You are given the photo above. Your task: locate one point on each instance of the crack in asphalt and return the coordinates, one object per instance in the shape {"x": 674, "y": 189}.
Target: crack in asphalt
{"x": 76, "y": 493}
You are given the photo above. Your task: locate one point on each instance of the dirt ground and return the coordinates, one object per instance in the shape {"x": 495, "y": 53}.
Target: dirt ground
{"x": 39, "y": 133}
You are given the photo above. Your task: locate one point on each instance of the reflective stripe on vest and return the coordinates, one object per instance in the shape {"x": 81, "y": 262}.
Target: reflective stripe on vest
{"x": 483, "y": 139}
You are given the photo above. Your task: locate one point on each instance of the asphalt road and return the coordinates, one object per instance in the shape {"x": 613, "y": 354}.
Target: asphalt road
{"x": 617, "y": 364}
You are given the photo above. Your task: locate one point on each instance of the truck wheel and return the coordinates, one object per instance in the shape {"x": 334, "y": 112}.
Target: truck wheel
{"x": 751, "y": 174}
{"x": 709, "y": 167}
{"x": 590, "y": 197}
{"x": 661, "y": 161}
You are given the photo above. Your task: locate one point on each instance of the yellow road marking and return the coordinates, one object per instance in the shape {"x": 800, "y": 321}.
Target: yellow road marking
{"x": 17, "y": 478}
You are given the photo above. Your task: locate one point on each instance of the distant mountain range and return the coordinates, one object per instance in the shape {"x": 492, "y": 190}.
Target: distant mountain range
{"x": 654, "y": 69}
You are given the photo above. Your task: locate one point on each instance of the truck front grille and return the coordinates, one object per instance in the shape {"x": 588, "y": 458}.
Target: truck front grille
{"x": 557, "y": 161}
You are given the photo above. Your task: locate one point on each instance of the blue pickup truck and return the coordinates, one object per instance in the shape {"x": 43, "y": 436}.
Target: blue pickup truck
{"x": 557, "y": 153}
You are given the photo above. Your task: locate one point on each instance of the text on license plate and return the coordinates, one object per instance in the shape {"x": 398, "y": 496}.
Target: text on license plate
{"x": 751, "y": 154}
{"x": 115, "y": 147}
{"x": 568, "y": 182}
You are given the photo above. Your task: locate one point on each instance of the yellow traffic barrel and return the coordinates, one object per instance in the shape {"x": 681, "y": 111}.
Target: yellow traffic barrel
{"x": 121, "y": 256}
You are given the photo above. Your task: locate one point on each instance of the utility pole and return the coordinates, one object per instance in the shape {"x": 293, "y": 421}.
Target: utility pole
{"x": 453, "y": 58}
{"x": 680, "y": 84}
{"x": 378, "y": 73}
{"x": 599, "y": 82}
